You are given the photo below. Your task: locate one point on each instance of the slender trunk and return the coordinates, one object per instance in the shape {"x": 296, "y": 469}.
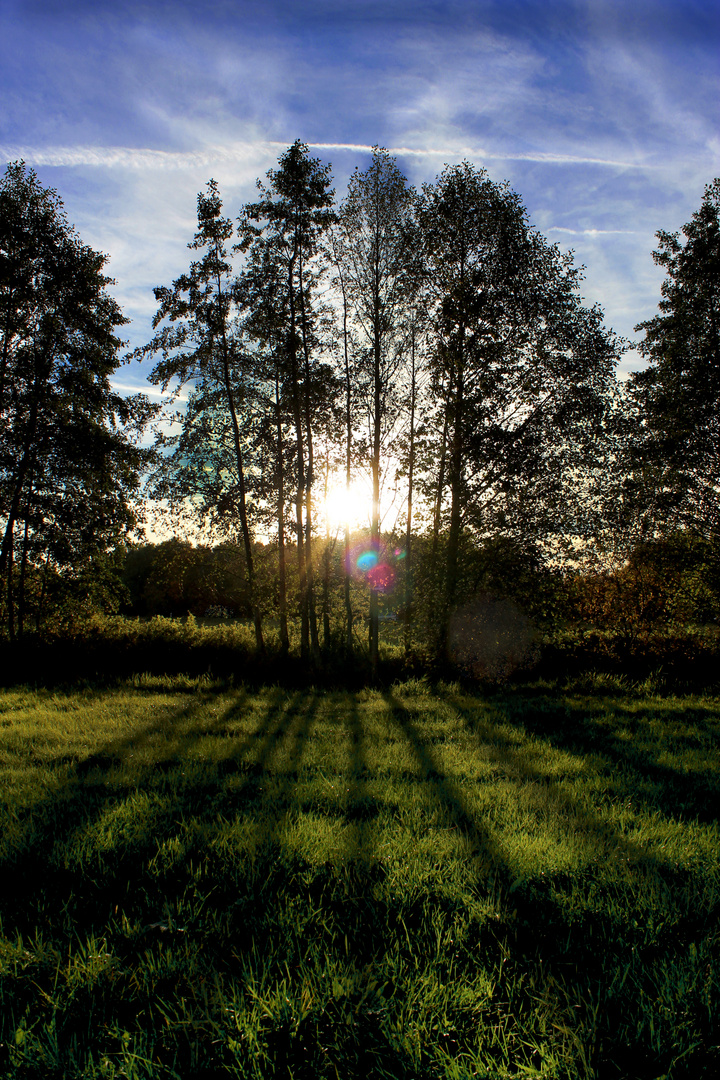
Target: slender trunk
{"x": 10, "y": 600}
{"x": 455, "y": 496}
{"x": 411, "y": 466}
{"x": 23, "y": 566}
{"x": 348, "y": 471}
{"x": 456, "y": 461}
{"x": 282, "y": 582}
{"x": 5, "y": 354}
{"x": 309, "y": 570}
{"x": 299, "y": 494}
{"x": 437, "y": 512}
{"x": 25, "y": 461}
{"x": 326, "y": 569}
{"x": 43, "y": 593}
{"x": 377, "y": 427}
{"x": 250, "y": 569}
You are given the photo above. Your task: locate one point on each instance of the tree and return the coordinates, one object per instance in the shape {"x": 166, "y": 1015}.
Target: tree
{"x": 69, "y": 455}
{"x": 679, "y": 393}
{"x": 199, "y": 348}
{"x": 521, "y": 370}
{"x": 376, "y": 254}
{"x": 287, "y": 221}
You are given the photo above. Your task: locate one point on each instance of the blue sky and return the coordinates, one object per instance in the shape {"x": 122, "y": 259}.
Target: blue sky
{"x": 603, "y": 116}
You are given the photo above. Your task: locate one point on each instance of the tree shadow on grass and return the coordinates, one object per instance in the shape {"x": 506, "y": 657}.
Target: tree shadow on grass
{"x": 579, "y": 934}
{"x": 145, "y": 766}
{"x": 268, "y": 915}
{"x": 640, "y": 766}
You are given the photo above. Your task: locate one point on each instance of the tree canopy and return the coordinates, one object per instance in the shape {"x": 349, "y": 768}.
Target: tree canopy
{"x": 431, "y": 341}
{"x": 678, "y": 394}
{"x": 70, "y": 459}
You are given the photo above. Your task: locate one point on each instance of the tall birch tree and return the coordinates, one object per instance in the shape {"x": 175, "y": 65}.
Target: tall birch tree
{"x": 376, "y": 255}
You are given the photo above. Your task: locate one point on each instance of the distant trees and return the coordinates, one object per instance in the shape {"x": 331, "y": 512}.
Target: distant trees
{"x": 70, "y": 460}
{"x": 678, "y": 395}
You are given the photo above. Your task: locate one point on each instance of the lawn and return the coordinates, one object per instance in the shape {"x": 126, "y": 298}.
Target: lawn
{"x": 202, "y": 880}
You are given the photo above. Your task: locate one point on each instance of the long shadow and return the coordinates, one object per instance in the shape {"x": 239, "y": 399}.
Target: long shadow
{"x": 85, "y": 794}
{"x": 550, "y": 798}
{"x": 551, "y": 795}
{"x": 684, "y": 794}
{"x": 360, "y": 808}
{"x": 253, "y": 894}
{"x": 449, "y": 793}
{"x": 290, "y": 741}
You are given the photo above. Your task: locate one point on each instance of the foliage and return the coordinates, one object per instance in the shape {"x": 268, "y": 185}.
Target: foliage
{"x": 199, "y": 347}
{"x": 671, "y": 581}
{"x": 70, "y": 462}
{"x": 522, "y": 371}
{"x": 175, "y": 578}
{"x": 679, "y": 393}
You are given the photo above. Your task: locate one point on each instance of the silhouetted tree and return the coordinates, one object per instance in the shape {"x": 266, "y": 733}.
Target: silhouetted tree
{"x": 200, "y": 348}
{"x": 293, "y": 210}
{"x": 70, "y": 462}
{"x": 375, "y": 251}
{"x": 679, "y": 393}
{"x": 521, "y": 369}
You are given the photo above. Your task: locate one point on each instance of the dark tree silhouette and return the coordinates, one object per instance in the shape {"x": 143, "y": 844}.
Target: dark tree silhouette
{"x": 69, "y": 455}
{"x": 522, "y": 371}
{"x": 679, "y": 393}
{"x": 199, "y": 348}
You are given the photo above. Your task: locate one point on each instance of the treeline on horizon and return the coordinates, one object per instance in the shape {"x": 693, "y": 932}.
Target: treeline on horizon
{"x": 430, "y": 340}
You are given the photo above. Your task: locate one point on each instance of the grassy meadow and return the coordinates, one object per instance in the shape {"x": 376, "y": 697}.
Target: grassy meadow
{"x": 203, "y": 880}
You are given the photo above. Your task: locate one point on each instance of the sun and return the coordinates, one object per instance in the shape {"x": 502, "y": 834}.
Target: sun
{"x": 342, "y": 505}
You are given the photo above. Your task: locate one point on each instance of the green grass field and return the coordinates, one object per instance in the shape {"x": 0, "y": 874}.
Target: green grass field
{"x": 198, "y": 880}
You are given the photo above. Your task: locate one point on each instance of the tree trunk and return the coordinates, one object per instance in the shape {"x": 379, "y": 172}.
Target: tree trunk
{"x": 25, "y": 461}
{"x": 455, "y": 504}
{"x": 348, "y": 473}
{"x": 437, "y": 512}
{"x": 326, "y": 570}
{"x": 309, "y": 569}
{"x": 456, "y": 467}
{"x": 377, "y": 430}
{"x": 250, "y": 569}
{"x": 23, "y": 566}
{"x": 411, "y": 466}
{"x": 10, "y": 600}
{"x": 282, "y": 579}
{"x": 300, "y": 491}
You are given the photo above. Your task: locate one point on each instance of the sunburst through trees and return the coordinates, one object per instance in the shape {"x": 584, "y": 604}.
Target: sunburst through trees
{"x": 408, "y": 362}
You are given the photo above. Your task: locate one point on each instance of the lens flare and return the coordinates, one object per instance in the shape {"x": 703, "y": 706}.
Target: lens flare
{"x": 381, "y": 578}
{"x": 367, "y": 561}
{"x": 373, "y": 565}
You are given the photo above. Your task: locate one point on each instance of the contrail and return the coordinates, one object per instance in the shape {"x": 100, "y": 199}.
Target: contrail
{"x": 591, "y": 232}
{"x": 138, "y": 158}
{"x": 480, "y": 152}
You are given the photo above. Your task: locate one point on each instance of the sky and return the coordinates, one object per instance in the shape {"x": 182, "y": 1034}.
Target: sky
{"x": 603, "y": 116}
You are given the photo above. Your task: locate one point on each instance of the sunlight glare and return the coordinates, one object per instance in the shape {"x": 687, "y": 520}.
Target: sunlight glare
{"x": 343, "y": 506}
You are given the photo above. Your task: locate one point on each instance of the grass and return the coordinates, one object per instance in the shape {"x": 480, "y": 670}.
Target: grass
{"x": 201, "y": 880}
